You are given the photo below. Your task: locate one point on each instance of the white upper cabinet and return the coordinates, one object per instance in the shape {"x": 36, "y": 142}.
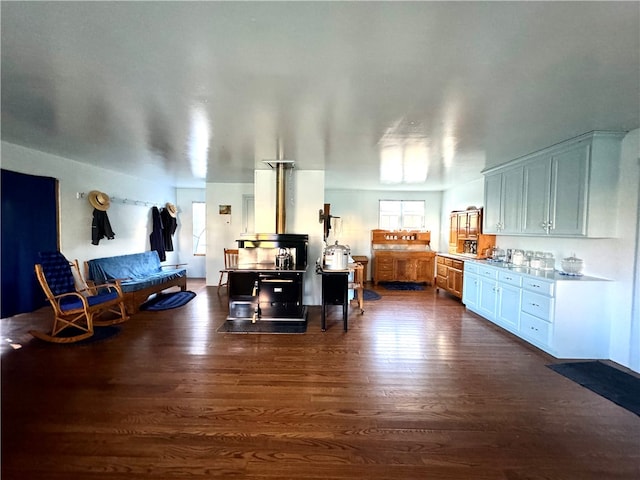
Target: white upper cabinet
{"x": 503, "y": 201}
{"x": 568, "y": 190}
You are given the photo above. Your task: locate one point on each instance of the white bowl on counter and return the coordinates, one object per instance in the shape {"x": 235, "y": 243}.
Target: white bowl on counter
{"x": 572, "y": 265}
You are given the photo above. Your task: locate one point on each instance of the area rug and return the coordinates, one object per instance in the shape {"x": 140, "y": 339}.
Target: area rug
{"x": 370, "y": 295}
{"x": 613, "y": 384}
{"x": 402, "y": 285}
{"x": 245, "y": 326}
{"x": 167, "y": 301}
{"x": 100, "y": 334}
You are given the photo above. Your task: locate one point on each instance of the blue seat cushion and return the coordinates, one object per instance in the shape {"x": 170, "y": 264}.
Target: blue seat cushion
{"x": 133, "y": 284}
{"x": 72, "y": 302}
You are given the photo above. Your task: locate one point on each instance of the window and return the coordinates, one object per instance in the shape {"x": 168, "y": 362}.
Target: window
{"x": 199, "y": 211}
{"x": 401, "y": 215}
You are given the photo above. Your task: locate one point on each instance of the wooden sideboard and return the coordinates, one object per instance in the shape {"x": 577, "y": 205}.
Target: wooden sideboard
{"x": 402, "y": 256}
{"x": 449, "y": 275}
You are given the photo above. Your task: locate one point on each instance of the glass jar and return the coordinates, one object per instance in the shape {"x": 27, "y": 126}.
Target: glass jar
{"x": 518, "y": 258}
{"x": 536, "y": 261}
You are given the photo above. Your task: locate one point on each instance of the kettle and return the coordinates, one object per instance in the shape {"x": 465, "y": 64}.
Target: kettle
{"x": 336, "y": 257}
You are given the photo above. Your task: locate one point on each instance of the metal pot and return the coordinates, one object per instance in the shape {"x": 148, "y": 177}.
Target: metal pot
{"x": 336, "y": 257}
{"x": 284, "y": 260}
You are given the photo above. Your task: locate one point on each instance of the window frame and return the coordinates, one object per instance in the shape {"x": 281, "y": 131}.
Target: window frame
{"x": 402, "y": 213}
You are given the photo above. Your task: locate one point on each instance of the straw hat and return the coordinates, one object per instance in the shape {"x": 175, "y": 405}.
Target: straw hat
{"x": 99, "y": 200}
{"x": 171, "y": 208}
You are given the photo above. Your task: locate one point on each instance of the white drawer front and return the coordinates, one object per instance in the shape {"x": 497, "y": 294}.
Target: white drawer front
{"x": 537, "y": 305}
{"x": 471, "y": 267}
{"x": 510, "y": 278}
{"x": 488, "y": 272}
{"x": 534, "y": 329}
{"x": 538, "y": 286}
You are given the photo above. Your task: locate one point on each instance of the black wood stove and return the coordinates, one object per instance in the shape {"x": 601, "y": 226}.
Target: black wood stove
{"x": 263, "y": 289}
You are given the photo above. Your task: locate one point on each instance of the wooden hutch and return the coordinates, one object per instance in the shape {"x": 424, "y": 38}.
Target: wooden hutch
{"x": 402, "y": 256}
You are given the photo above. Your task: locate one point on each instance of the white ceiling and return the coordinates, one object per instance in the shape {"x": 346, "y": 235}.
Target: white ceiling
{"x": 163, "y": 89}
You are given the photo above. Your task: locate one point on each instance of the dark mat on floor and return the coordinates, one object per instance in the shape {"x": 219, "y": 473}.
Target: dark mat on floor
{"x": 613, "y": 384}
{"x": 245, "y": 326}
{"x": 370, "y": 295}
{"x": 402, "y": 285}
{"x": 100, "y": 334}
{"x": 167, "y": 301}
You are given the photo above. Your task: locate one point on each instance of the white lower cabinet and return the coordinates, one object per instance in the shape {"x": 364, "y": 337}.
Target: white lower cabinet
{"x": 509, "y": 300}
{"x": 566, "y": 317}
{"x": 487, "y": 298}
{"x": 537, "y": 315}
{"x": 470, "y": 286}
{"x": 535, "y": 330}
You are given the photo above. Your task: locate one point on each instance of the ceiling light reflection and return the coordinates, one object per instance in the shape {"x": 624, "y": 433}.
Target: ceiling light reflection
{"x": 391, "y": 164}
{"x": 199, "y": 136}
{"x": 448, "y": 150}
{"x": 415, "y": 163}
{"x": 406, "y": 163}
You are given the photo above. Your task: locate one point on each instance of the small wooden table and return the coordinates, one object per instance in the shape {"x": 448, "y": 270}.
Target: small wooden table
{"x": 364, "y": 261}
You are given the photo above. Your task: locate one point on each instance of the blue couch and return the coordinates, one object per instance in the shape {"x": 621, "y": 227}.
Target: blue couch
{"x": 138, "y": 274}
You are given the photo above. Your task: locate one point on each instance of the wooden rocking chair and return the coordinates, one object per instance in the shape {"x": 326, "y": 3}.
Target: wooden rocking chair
{"x": 76, "y": 307}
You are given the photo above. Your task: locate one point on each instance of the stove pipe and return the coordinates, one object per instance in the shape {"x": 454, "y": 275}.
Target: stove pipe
{"x": 281, "y": 167}
{"x": 281, "y": 211}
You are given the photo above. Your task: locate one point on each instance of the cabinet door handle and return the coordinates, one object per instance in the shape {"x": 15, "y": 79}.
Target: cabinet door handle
{"x": 534, "y": 304}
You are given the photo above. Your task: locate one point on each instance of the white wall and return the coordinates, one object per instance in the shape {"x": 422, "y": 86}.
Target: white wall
{"x": 222, "y": 230}
{"x": 130, "y": 222}
{"x": 185, "y": 197}
{"x": 358, "y": 210}
{"x": 308, "y": 200}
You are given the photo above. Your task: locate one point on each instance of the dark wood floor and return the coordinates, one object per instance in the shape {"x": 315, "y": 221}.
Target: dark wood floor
{"x": 417, "y": 389}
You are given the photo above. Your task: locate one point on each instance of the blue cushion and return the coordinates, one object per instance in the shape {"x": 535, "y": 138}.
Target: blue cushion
{"x": 57, "y": 272}
{"x": 135, "y": 284}
{"x": 132, "y": 266}
{"x": 72, "y": 302}
{"x": 135, "y": 271}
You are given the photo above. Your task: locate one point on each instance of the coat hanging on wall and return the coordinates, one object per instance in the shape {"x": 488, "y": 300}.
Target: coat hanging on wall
{"x": 156, "y": 238}
{"x": 169, "y": 225}
{"x": 100, "y": 226}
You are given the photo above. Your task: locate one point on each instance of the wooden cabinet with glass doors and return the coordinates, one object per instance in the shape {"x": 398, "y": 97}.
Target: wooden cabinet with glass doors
{"x": 465, "y": 233}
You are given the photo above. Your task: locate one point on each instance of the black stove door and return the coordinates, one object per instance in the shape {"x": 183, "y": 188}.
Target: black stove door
{"x": 280, "y": 294}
